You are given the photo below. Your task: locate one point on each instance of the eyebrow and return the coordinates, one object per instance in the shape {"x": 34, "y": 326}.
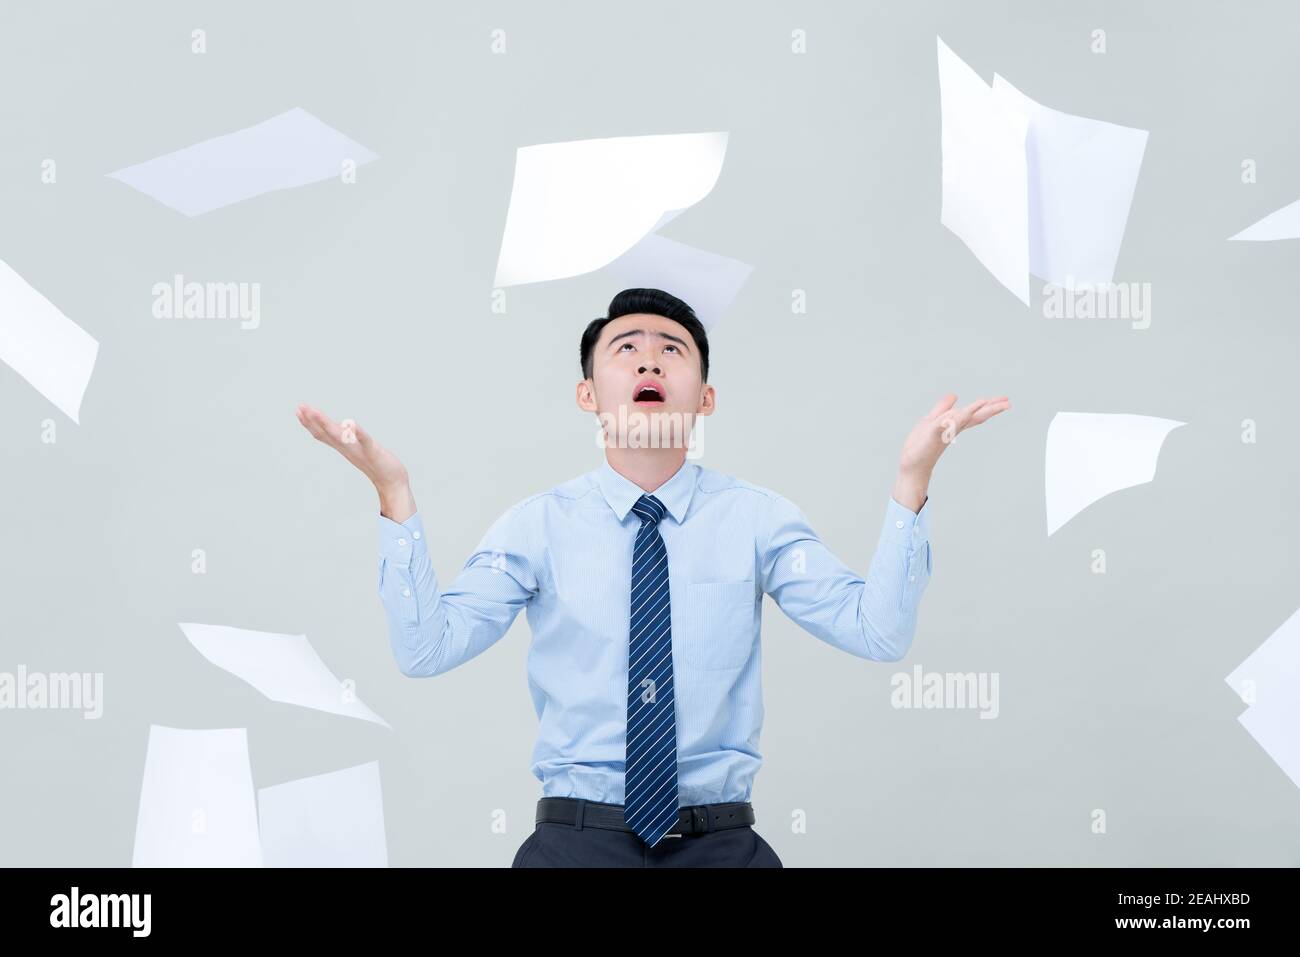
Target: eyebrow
{"x": 638, "y": 332}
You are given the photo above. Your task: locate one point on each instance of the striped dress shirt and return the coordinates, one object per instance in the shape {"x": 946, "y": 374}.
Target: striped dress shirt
{"x": 564, "y": 557}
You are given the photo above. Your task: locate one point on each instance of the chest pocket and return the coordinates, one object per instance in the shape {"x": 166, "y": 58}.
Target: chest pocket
{"x": 719, "y": 618}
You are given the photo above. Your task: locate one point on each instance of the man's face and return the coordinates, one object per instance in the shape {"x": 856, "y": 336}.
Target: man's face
{"x": 647, "y": 366}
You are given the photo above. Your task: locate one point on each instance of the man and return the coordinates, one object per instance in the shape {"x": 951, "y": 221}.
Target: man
{"x": 643, "y": 583}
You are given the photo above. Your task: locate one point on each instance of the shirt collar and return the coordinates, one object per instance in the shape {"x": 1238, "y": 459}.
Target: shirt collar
{"x": 622, "y": 493}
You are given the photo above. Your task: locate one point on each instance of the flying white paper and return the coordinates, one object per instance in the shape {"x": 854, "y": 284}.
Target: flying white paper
{"x": 1269, "y": 682}
{"x": 1281, "y": 224}
{"x": 285, "y": 668}
{"x": 577, "y": 206}
{"x": 985, "y": 172}
{"x": 43, "y": 345}
{"x": 196, "y": 802}
{"x": 1274, "y": 727}
{"x": 1082, "y": 175}
{"x": 1090, "y": 455}
{"x": 1030, "y": 189}
{"x": 709, "y": 282}
{"x": 288, "y": 150}
{"x": 329, "y": 820}
{"x": 1271, "y": 671}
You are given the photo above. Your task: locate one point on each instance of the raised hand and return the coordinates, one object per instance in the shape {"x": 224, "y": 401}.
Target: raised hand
{"x": 931, "y": 436}
{"x": 377, "y": 463}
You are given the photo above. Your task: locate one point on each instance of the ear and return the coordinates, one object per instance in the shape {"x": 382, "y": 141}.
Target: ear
{"x": 708, "y": 401}
{"x": 586, "y": 396}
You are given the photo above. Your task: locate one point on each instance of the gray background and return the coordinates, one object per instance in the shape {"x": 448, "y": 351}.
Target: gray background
{"x": 376, "y": 305}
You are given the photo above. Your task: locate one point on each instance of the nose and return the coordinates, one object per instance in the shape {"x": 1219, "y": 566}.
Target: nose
{"x": 641, "y": 370}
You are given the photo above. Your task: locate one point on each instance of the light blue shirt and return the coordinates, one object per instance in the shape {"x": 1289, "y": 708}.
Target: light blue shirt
{"x": 565, "y": 556}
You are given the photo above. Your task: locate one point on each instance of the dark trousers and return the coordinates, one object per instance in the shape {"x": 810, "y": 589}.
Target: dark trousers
{"x": 565, "y": 845}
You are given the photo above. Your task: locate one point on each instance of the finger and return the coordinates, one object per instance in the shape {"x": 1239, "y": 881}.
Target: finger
{"x": 352, "y": 434}
{"x": 345, "y": 436}
{"x": 990, "y": 410}
{"x": 976, "y": 412}
{"x": 961, "y": 419}
{"x": 324, "y": 428}
{"x": 307, "y": 416}
{"x": 314, "y": 420}
{"x": 974, "y": 407}
{"x": 987, "y": 411}
{"x": 364, "y": 439}
{"x": 303, "y": 418}
{"x": 947, "y": 426}
{"x": 943, "y": 405}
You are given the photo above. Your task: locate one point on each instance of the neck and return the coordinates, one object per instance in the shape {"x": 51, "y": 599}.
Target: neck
{"x": 648, "y": 468}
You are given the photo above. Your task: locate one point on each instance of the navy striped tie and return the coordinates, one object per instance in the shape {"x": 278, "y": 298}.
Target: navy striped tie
{"x": 650, "y": 777}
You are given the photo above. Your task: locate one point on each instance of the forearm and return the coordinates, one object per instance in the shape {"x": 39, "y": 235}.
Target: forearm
{"x": 431, "y": 629}
{"x": 871, "y": 617}
{"x": 416, "y": 653}
{"x": 895, "y": 581}
{"x": 408, "y": 588}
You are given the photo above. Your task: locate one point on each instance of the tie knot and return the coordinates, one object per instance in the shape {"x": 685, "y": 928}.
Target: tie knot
{"x": 650, "y": 509}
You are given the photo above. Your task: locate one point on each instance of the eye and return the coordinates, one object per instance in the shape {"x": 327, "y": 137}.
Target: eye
{"x": 671, "y": 346}
{"x": 620, "y": 348}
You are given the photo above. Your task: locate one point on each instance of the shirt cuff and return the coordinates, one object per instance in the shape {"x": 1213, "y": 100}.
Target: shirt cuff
{"x": 904, "y": 526}
{"x": 399, "y": 541}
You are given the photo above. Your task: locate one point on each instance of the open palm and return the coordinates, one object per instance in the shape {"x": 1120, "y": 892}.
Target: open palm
{"x": 940, "y": 426}
{"x": 355, "y": 444}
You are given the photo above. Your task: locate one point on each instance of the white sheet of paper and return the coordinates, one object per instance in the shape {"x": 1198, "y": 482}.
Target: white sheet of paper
{"x": 1273, "y": 669}
{"x": 43, "y": 345}
{"x": 196, "y": 801}
{"x": 1281, "y": 224}
{"x": 285, "y": 668}
{"x": 1276, "y": 727}
{"x": 1082, "y": 175}
{"x": 328, "y": 820}
{"x": 1091, "y": 454}
{"x": 709, "y": 282}
{"x": 577, "y": 206}
{"x": 291, "y": 149}
{"x": 985, "y": 174}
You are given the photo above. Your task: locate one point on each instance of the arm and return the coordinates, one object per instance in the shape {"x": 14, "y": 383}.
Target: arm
{"x": 872, "y": 618}
{"x": 430, "y": 631}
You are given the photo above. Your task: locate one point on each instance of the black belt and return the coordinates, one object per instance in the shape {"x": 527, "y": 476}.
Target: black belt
{"x": 698, "y": 819}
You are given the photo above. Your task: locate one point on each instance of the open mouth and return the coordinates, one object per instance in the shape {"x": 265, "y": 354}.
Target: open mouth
{"x": 648, "y": 392}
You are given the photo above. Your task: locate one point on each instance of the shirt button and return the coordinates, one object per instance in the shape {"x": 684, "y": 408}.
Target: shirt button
{"x": 911, "y": 578}
{"x": 898, "y": 524}
{"x": 415, "y": 535}
{"x": 406, "y": 593}
{"x": 401, "y": 541}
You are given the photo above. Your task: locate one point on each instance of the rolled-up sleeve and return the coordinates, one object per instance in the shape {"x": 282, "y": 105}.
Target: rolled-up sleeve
{"x": 432, "y": 631}
{"x": 873, "y": 617}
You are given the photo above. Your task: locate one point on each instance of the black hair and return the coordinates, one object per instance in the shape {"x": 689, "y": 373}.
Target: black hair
{"x": 655, "y": 302}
